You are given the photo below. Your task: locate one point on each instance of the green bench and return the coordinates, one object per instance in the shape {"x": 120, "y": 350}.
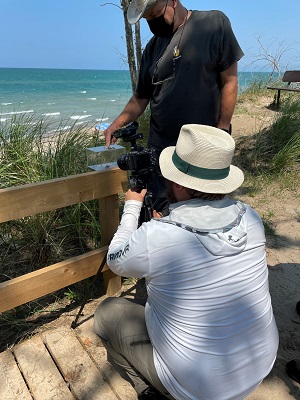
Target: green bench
{"x": 289, "y": 77}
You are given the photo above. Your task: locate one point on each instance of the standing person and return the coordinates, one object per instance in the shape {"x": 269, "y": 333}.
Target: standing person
{"x": 188, "y": 74}
{"x": 207, "y": 330}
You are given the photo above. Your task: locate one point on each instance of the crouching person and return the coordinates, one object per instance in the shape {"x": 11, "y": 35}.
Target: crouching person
{"x": 207, "y": 331}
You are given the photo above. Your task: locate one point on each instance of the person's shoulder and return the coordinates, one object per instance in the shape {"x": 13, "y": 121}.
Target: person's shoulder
{"x": 209, "y": 15}
{"x": 251, "y": 214}
{"x": 150, "y": 43}
{"x": 153, "y": 43}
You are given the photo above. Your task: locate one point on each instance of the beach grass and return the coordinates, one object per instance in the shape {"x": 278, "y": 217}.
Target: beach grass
{"x": 257, "y": 88}
{"x": 274, "y": 149}
{"x": 275, "y": 146}
{"x": 29, "y": 154}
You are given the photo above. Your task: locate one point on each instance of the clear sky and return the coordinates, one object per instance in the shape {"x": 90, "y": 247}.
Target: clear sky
{"x": 84, "y": 34}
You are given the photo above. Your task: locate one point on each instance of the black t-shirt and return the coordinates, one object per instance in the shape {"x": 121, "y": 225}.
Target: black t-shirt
{"x": 186, "y": 89}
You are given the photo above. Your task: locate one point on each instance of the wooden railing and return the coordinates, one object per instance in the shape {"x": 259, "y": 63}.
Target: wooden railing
{"x": 21, "y": 201}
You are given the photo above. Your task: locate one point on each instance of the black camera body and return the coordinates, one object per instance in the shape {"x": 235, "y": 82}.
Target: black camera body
{"x": 136, "y": 160}
{"x": 139, "y": 161}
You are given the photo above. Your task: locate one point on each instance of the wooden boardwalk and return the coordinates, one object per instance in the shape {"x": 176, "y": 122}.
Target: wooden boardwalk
{"x": 61, "y": 364}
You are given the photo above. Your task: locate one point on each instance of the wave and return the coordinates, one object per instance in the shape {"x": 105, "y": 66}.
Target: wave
{"x": 64, "y": 128}
{"x": 92, "y": 98}
{"x": 51, "y": 114}
{"x": 102, "y": 119}
{"x": 17, "y": 112}
{"x": 80, "y": 123}
{"x": 6, "y": 104}
{"x": 80, "y": 116}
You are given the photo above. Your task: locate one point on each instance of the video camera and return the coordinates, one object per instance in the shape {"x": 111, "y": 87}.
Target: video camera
{"x": 139, "y": 161}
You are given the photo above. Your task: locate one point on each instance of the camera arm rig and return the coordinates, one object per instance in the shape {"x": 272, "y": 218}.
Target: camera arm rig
{"x": 141, "y": 163}
{"x": 129, "y": 134}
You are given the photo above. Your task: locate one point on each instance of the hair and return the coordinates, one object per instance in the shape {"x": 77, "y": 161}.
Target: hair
{"x": 195, "y": 194}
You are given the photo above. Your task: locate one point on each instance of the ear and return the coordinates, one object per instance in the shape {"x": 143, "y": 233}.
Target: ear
{"x": 177, "y": 186}
{"x": 180, "y": 192}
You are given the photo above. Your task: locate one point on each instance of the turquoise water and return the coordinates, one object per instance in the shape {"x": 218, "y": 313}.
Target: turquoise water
{"x": 67, "y": 97}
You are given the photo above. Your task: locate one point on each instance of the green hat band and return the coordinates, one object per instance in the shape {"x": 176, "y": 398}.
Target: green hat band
{"x": 198, "y": 172}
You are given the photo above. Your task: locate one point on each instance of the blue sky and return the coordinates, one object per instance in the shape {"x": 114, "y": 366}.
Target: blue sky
{"x": 84, "y": 34}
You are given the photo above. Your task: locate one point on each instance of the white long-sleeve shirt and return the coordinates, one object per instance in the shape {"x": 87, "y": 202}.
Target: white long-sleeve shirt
{"x": 208, "y": 313}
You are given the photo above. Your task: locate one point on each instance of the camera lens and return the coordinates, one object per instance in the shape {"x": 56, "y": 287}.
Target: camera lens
{"x": 122, "y": 162}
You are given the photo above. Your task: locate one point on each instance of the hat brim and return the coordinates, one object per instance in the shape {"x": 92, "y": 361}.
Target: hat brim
{"x": 234, "y": 179}
{"x": 135, "y": 12}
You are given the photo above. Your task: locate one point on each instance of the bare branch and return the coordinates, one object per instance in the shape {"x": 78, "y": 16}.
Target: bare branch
{"x": 272, "y": 53}
{"x": 110, "y": 4}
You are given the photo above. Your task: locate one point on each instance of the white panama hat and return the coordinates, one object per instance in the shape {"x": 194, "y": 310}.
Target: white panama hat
{"x": 137, "y": 8}
{"x": 201, "y": 160}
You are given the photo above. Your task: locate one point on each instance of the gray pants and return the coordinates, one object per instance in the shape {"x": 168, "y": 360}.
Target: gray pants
{"x": 121, "y": 326}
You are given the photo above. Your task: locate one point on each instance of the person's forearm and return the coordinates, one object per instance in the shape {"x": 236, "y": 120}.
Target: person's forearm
{"x": 228, "y": 95}
{"x": 228, "y": 101}
{"x": 128, "y": 224}
{"x": 128, "y": 250}
{"x": 133, "y": 109}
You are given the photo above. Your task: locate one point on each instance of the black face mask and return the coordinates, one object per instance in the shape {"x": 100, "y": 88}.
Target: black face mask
{"x": 159, "y": 27}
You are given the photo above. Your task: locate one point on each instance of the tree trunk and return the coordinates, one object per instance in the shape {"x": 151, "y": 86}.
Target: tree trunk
{"x": 130, "y": 46}
{"x": 138, "y": 44}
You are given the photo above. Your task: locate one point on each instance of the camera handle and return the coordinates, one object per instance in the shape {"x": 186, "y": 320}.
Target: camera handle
{"x": 147, "y": 209}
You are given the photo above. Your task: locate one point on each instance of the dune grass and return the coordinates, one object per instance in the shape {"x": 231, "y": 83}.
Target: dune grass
{"x": 275, "y": 149}
{"x": 28, "y": 154}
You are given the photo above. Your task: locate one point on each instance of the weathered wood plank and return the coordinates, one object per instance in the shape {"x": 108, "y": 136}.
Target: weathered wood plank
{"x": 31, "y": 286}
{"x": 12, "y": 385}
{"x": 96, "y": 350}
{"x": 40, "y": 372}
{"x": 21, "y": 201}
{"x": 85, "y": 380}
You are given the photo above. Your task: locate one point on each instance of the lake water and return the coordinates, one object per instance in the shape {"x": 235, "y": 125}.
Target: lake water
{"x": 67, "y": 97}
